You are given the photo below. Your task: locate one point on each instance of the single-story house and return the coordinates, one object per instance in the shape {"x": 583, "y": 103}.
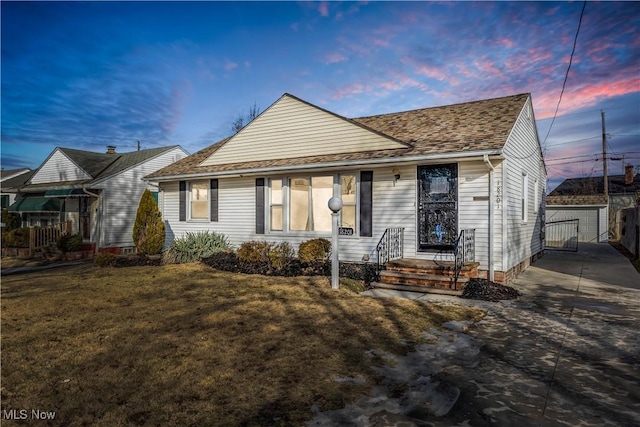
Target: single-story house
{"x": 433, "y": 172}
{"x": 98, "y": 192}
{"x": 584, "y": 199}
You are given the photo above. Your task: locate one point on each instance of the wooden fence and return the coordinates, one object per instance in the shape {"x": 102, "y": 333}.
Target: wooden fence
{"x": 40, "y": 237}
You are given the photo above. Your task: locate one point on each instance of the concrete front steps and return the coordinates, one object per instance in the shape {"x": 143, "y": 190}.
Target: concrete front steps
{"x": 418, "y": 275}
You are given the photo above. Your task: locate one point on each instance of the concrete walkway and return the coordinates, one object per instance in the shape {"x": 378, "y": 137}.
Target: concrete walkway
{"x": 567, "y": 353}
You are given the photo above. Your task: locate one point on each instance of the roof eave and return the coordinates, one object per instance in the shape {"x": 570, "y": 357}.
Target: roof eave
{"x": 460, "y": 156}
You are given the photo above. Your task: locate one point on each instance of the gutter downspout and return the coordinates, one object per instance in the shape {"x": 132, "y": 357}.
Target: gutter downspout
{"x": 487, "y": 162}
{"x": 99, "y": 216}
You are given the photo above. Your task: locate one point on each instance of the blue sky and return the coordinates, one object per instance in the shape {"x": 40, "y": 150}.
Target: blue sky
{"x": 90, "y": 74}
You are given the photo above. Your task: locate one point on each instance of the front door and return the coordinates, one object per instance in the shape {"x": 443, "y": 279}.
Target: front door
{"x": 437, "y": 206}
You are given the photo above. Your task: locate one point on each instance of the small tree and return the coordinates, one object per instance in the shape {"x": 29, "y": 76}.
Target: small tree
{"x": 148, "y": 230}
{"x": 241, "y": 121}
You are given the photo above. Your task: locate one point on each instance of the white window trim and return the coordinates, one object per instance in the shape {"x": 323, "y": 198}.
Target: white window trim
{"x": 190, "y": 201}
{"x": 536, "y": 195}
{"x": 286, "y": 203}
{"x": 525, "y": 198}
{"x": 283, "y": 204}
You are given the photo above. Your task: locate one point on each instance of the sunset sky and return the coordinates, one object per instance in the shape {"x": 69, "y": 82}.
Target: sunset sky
{"x": 90, "y": 74}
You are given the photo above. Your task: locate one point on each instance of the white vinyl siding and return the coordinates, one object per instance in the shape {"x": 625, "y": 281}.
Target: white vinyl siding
{"x": 58, "y": 168}
{"x": 291, "y": 128}
{"x": 394, "y": 205}
{"x": 523, "y": 155}
{"x": 121, "y": 196}
{"x": 236, "y": 211}
{"x": 473, "y": 208}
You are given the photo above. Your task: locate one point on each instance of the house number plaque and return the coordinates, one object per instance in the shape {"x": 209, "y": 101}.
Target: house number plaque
{"x": 345, "y": 231}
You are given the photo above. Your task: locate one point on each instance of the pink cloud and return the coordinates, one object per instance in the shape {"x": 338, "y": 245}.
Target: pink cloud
{"x": 505, "y": 42}
{"x": 586, "y": 96}
{"x": 230, "y": 65}
{"x": 435, "y": 73}
{"x": 323, "y": 8}
{"x": 349, "y": 90}
{"x": 333, "y": 58}
{"x": 487, "y": 67}
{"x": 380, "y": 42}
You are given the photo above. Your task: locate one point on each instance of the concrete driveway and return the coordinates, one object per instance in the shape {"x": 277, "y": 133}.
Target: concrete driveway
{"x": 567, "y": 353}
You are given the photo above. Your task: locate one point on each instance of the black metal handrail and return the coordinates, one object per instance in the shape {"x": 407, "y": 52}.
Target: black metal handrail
{"x": 390, "y": 246}
{"x": 463, "y": 252}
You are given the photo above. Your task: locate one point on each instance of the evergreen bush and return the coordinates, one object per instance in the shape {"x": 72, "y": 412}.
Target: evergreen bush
{"x": 195, "y": 246}
{"x": 16, "y": 238}
{"x": 281, "y": 255}
{"x": 254, "y": 251}
{"x": 148, "y": 230}
{"x": 69, "y": 242}
{"x": 11, "y": 220}
{"x": 314, "y": 250}
{"x": 105, "y": 259}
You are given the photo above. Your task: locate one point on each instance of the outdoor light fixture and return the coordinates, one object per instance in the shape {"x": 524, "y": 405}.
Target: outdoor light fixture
{"x": 396, "y": 174}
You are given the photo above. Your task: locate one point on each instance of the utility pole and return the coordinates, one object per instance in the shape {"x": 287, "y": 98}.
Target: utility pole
{"x": 604, "y": 159}
{"x": 138, "y": 145}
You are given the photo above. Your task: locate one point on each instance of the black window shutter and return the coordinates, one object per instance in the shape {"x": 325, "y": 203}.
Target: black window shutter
{"x": 183, "y": 201}
{"x": 366, "y": 203}
{"x": 213, "y": 212}
{"x": 259, "y": 205}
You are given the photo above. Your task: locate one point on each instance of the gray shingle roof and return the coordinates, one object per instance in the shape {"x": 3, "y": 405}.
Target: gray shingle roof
{"x": 99, "y": 165}
{"x": 16, "y": 181}
{"x": 595, "y": 186}
{"x": 471, "y": 126}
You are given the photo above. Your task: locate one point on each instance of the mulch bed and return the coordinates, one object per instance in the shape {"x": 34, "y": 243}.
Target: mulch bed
{"x": 485, "y": 290}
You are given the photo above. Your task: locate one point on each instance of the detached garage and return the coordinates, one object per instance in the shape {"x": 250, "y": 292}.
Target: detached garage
{"x": 591, "y": 211}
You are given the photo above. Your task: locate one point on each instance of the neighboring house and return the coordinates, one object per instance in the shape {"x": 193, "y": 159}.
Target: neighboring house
{"x": 98, "y": 192}
{"x": 584, "y": 199}
{"x": 11, "y": 180}
{"x": 433, "y": 171}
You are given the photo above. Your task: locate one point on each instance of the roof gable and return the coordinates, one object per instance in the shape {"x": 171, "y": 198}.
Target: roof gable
{"x": 70, "y": 166}
{"x": 59, "y": 167}
{"x": 291, "y": 128}
{"x": 467, "y": 129}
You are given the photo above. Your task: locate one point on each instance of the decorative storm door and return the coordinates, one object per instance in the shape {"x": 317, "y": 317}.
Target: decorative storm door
{"x": 437, "y": 206}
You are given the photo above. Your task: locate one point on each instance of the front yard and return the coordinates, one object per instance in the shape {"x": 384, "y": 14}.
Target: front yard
{"x": 186, "y": 345}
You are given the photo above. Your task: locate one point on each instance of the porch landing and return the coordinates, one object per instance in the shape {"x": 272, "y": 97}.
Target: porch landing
{"x": 410, "y": 274}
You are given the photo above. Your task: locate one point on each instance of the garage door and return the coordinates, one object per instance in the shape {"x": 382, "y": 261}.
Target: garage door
{"x": 589, "y": 220}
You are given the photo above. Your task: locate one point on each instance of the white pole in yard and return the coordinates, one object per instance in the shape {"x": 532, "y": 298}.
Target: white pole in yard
{"x": 335, "y": 204}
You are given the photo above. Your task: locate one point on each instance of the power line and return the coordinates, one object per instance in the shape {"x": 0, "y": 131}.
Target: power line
{"x": 572, "y": 141}
{"x": 566, "y": 76}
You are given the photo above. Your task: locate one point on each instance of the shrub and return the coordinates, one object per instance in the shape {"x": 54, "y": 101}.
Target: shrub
{"x": 105, "y": 259}
{"x": 281, "y": 256}
{"x": 195, "y": 246}
{"x": 148, "y": 230}
{"x": 16, "y": 238}
{"x": 11, "y": 220}
{"x": 314, "y": 250}
{"x": 69, "y": 242}
{"x": 254, "y": 251}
